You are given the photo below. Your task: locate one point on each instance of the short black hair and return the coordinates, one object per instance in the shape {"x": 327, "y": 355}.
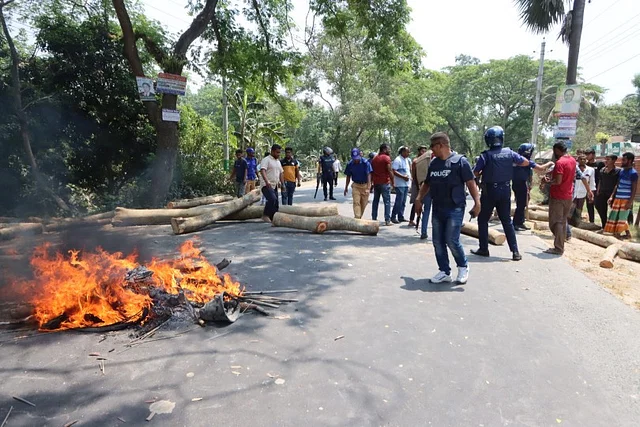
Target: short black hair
{"x": 629, "y": 156}
{"x": 288, "y": 149}
{"x": 560, "y": 145}
{"x": 589, "y": 151}
{"x": 422, "y": 147}
{"x": 612, "y": 157}
{"x": 239, "y": 151}
{"x": 383, "y": 147}
{"x": 276, "y": 147}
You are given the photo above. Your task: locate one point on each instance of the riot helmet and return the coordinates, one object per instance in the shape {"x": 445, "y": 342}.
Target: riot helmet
{"x": 526, "y": 150}
{"x": 494, "y": 137}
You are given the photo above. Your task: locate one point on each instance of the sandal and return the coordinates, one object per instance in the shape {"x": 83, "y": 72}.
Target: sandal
{"x": 552, "y": 251}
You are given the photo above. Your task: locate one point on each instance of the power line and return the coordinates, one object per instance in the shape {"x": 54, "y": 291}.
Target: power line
{"x": 592, "y": 45}
{"x": 596, "y": 54}
{"x": 615, "y": 66}
{"x": 601, "y": 13}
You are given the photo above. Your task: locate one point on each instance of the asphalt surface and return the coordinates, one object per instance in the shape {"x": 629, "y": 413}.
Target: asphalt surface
{"x": 534, "y": 343}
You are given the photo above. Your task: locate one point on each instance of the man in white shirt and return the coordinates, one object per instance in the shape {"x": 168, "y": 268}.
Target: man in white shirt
{"x": 271, "y": 175}
{"x": 401, "y": 167}
{"x": 580, "y": 190}
{"x": 337, "y": 166}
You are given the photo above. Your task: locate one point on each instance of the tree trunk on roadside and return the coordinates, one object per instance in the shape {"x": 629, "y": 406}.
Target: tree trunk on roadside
{"x": 166, "y": 154}
{"x": 574, "y": 41}
{"x": 16, "y": 92}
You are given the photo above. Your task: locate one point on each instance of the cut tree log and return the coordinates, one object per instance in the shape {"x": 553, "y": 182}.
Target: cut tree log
{"x": 327, "y": 223}
{"x": 542, "y": 215}
{"x": 124, "y": 216}
{"x": 609, "y": 255}
{"x": 19, "y": 229}
{"x": 189, "y": 225}
{"x": 539, "y": 208}
{"x": 629, "y": 251}
{"x": 199, "y": 201}
{"x": 255, "y": 212}
{"x": 86, "y": 221}
{"x": 495, "y": 237}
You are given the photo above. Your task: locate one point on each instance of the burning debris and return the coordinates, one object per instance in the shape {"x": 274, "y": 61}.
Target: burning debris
{"x": 108, "y": 290}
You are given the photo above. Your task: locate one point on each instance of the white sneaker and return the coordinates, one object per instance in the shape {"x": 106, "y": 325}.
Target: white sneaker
{"x": 440, "y": 277}
{"x": 463, "y": 275}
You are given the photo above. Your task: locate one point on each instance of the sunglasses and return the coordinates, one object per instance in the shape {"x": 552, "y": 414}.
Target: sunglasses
{"x": 435, "y": 144}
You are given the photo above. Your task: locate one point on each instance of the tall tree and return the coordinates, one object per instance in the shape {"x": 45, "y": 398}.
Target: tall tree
{"x": 540, "y": 15}
{"x": 19, "y": 110}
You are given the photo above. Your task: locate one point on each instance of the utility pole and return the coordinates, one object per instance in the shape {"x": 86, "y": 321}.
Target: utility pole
{"x": 536, "y": 111}
{"x": 225, "y": 122}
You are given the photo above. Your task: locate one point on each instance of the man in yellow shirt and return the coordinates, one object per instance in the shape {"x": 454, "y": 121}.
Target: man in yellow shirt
{"x": 291, "y": 175}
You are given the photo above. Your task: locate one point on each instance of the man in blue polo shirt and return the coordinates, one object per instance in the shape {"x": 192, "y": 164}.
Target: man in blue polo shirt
{"x": 359, "y": 171}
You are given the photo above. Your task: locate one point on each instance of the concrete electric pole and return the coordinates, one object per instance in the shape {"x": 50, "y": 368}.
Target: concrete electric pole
{"x": 536, "y": 111}
{"x": 225, "y": 122}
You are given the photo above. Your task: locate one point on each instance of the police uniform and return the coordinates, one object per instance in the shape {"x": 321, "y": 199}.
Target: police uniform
{"x": 521, "y": 180}
{"x": 446, "y": 180}
{"x": 326, "y": 168}
{"x": 496, "y": 165}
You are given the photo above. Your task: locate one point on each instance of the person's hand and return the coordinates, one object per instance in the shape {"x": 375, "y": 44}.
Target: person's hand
{"x": 346, "y": 191}
{"x": 406, "y": 177}
{"x": 418, "y": 208}
{"x": 610, "y": 201}
{"x": 590, "y": 197}
{"x": 629, "y": 204}
{"x": 475, "y": 211}
{"x": 299, "y": 184}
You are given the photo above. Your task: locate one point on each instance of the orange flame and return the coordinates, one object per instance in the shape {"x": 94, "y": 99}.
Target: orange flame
{"x": 90, "y": 289}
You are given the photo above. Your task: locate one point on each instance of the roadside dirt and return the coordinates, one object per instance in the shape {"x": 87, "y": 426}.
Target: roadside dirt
{"x": 622, "y": 280}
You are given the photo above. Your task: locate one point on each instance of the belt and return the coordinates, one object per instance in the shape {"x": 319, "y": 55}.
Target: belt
{"x": 361, "y": 183}
{"x": 497, "y": 184}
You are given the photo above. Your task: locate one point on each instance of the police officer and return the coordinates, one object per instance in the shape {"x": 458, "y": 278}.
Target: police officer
{"x": 325, "y": 170}
{"x": 448, "y": 174}
{"x": 496, "y": 168}
{"x": 521, "y": 183}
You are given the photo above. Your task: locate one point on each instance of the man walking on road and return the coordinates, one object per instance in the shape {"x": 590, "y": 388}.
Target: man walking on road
{"x": 402, "y": 180}
{"x": 382, "y": 183}
{"x": 358, "y": 170}
{"x": 560, "y": 196}
{"x": 252, "y": 170}
{"x": 496, "y": 167}
{"x": 271, "y": 177}
{"x": 325, "y": 170}
{"x": 448, "y": 174}
{"x": 291, "y": 175}
{"x": 239, "y": 173}
{"x": 337, "y": 166}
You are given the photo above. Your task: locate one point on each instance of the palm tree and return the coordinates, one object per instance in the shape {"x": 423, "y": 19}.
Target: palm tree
{"x": 540, "y": 15}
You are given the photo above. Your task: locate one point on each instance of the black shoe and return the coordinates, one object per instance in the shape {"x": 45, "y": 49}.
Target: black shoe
{"x": 516, "y": 256}
{"x": 480, "y": 252}
{"x": 325, "y": 199}
{"x": 332, "y": 198}
{"x": 423, "y": 237}
{"x": 395, "y": 221}
{"x": 521, "y": 227}
{"x": 402, "y": 220}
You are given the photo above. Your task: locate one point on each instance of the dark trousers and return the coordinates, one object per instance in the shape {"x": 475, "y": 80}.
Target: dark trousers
{"x": 327, "y": 181}
{"x": 336, "y": 179}
{"x": 601, "y": 204}
{"x": 272, "y": 206}
{"x": 499, "y": 197}
{"x": 287, "y": 195}
{"x": 591, "y": 211}
{"x": 521, "y": 192}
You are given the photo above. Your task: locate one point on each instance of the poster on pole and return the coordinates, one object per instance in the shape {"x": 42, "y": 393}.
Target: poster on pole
{"x": 170, "y": 115}
{"x": 568, "y": 100}
{"x": 145, "y": 89}
{"x": 172, "y": 84}
{"x": 566, "y": 128}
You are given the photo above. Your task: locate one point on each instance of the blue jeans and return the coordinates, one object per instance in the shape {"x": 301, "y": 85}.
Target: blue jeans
{"x": 426, "y": 210}
{"x": 496, "y": 196}
{"x": 446, "y": 223}
{"x": 272, "y": 206}
{"x": 287, "y": 197}
{"x": 521, "y": 192}
{"x": 400, "y": 203}
{"x": 383, "y": 190}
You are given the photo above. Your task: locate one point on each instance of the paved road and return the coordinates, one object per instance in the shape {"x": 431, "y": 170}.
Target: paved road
{"x": 534, "y": 343}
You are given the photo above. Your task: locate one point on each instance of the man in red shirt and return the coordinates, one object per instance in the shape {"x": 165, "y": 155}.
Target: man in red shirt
{"x": 382, "y": 183}
{"x": 560, "y": 196}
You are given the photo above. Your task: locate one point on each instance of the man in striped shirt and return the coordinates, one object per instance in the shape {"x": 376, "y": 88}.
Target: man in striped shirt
{"x": 621, "y": 201}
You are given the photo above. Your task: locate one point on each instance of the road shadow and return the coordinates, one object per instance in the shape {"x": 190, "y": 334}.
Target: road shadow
{"x": 424, "y": 285}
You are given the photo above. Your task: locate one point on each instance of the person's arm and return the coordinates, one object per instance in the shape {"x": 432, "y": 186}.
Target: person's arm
{"x": 585, "y": 182}
{"x": 263, "y": 174}
{"x": 634, "y": 188}
{"x": 424, "y": 189}
{"x": 399, "y": 175}
{"x": 477, "y": 169}
{"x": 246, "y": 171}
{"x": 390, "y": 172}
{"x": 298, "y": 176}
{"x": 521, "y": 160}
{"x": 232, "y": 175}
{"x": 613, "y": 195}
{"x": 473, "y": 190}
{"x": 414, "y": 173}
{"x": 346, "y": 185}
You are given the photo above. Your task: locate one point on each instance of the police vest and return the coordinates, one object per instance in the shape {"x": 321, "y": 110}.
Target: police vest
{"x": 498, "y": 166}
{"x": 446, "y": 184}
{"x": 521, "y": 173}
{"x": 326, "y": 164}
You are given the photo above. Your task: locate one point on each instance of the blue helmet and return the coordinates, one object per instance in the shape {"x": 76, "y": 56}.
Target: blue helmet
{"x": 526, "y": 150}
{"x": 494, "y": 137}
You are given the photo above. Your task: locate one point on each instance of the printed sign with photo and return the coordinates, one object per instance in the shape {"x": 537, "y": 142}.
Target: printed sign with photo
{"x": 172, "y": 84}
{"x": 568, "y": 100}
{"x": 145, "y": 89}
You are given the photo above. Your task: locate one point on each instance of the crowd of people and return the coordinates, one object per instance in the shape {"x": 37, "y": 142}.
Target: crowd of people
{"x": 438, "y": 181}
